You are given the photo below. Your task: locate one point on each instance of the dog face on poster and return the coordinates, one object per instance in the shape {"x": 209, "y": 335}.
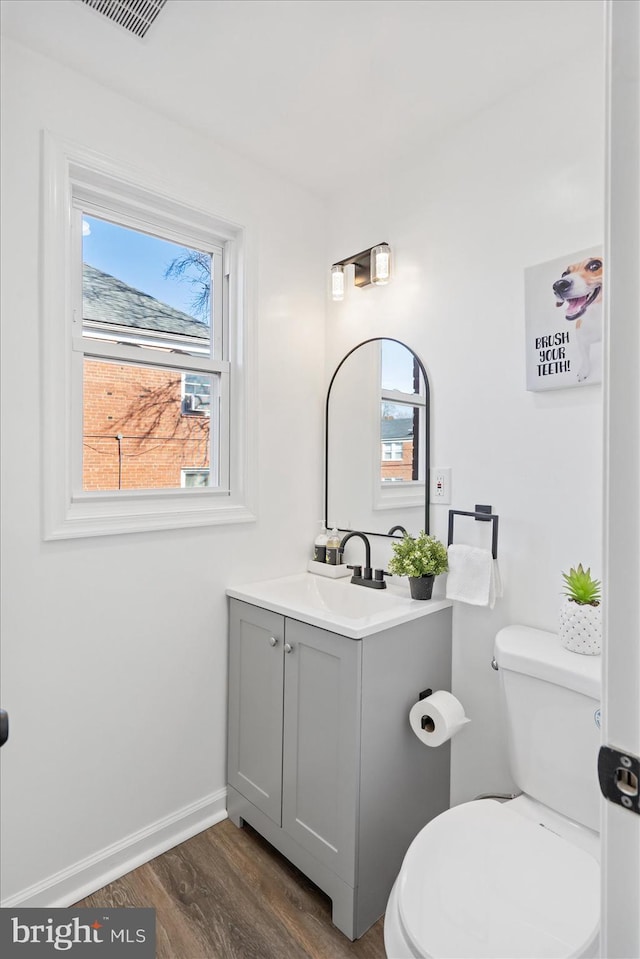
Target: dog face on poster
{"x": 579, "y": 291}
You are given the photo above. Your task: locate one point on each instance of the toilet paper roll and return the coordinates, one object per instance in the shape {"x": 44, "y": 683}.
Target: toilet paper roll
{"x": 437, "y": 718}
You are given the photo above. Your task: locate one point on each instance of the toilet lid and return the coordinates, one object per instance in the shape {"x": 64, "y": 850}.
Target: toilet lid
{"x": 484, "y": 882}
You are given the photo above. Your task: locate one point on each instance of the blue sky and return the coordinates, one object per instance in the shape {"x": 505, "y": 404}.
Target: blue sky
{"x": 397, "y": 367}
{"x": 137, "y": 259}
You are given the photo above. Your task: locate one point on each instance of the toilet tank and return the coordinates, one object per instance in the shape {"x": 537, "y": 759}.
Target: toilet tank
{"x": 551, "y": 698}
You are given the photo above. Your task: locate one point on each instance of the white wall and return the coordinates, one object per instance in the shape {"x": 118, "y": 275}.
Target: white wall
{"x": 520, "y": 184}
{"x": 114, "y": 648}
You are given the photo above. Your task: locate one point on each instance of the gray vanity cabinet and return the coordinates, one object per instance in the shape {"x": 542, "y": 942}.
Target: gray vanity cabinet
{"x": 321, "y": 740}
{"x": 321, "y": 759}
{"x": 293, "y": 729}
{"x": 256, "y": 675}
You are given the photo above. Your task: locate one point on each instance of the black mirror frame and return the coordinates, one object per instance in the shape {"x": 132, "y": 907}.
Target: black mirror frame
{"x": 427, "y": 435}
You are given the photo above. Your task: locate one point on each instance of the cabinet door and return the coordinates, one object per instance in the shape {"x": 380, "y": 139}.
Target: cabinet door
{"x": 255, "y": 706}
{"x": 322, "y": 744}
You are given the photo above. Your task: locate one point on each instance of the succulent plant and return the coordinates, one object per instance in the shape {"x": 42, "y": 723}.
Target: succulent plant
{"x": 581, "y": 588}
{"x": 420, "y": 556}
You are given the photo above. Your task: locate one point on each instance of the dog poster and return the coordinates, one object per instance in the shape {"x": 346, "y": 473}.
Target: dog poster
{"x": 563, "y": 321}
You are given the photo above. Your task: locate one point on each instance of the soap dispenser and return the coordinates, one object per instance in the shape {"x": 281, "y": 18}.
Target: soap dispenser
{"x": 320, "y": 545}
{"x": 333, "y": 548}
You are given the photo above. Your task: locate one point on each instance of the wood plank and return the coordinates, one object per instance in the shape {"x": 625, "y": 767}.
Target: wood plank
{"x": 227, "y": 894}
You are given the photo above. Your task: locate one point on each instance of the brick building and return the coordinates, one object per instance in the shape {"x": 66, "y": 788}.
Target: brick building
{"x": 143, "y": 428}
{"x": 396, "y": 457}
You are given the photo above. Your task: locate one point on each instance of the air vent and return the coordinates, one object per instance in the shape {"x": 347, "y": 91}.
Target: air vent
{"x": 136, "y": 16}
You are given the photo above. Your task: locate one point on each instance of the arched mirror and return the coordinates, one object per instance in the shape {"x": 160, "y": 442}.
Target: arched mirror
{"x": 377, "y": 440}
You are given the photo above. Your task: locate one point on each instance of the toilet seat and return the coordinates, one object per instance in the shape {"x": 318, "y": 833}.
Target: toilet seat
{"x": 482, "y": 881}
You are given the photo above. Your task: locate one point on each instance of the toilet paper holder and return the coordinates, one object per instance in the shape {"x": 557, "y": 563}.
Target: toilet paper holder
{"x": 426, "y": 722}
{"x": 438, "y": 720}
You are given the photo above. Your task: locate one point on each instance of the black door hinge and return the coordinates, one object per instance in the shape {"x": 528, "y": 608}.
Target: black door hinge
{"x": 619, "y": 775}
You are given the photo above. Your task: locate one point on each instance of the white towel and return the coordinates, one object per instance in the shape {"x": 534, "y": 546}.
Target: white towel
{"x": 474, "y": 576}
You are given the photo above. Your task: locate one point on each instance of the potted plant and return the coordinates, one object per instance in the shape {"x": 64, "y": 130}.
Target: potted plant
{"x": 581, "y": 613}
{"x": 421, "y": 558}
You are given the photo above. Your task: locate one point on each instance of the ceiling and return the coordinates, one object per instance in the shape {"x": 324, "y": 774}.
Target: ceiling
{"x": 317, "y": 89}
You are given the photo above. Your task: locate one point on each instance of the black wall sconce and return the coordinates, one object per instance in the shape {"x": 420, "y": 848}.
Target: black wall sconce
{"x": 370, "y": 266}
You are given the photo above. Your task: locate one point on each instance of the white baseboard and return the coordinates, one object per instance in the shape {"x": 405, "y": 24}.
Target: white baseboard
{"x": 85, "y": 877}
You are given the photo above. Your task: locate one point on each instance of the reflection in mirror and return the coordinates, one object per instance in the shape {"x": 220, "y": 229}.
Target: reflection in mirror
{"x": 377, "y": 440}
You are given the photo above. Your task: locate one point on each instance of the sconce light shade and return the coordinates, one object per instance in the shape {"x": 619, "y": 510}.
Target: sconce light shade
{"x": 381, "y": 264}
{"x": 337, "y": 282}
{"x": 369, "y": 266}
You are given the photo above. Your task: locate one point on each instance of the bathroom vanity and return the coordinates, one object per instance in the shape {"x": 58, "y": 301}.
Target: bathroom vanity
{"x": 321, "y": 758}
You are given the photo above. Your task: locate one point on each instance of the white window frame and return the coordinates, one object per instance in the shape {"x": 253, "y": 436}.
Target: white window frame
{"x": 74, "y": 178}
{"x": 392, "y": 451}
{"x": 399, "y": 495}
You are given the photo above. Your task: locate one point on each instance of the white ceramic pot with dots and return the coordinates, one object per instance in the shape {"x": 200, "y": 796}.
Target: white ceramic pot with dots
{"x": 580, "y": 627}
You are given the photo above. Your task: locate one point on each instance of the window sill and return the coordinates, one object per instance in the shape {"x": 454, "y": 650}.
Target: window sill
{"x": 106, "y": 515}
{"x": 399, "y": 496}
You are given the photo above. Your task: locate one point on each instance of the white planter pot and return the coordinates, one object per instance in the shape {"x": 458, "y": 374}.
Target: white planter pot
{"x": 580, "y": 628}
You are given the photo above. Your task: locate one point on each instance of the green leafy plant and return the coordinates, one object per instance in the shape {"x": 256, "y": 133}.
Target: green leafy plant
{"x": 580, "y": 588}
{"x": 418, "y": 556}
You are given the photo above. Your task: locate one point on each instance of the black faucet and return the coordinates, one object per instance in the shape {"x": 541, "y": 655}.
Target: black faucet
{"x": 397, "y": 529}
{"x": 362, "y": 575}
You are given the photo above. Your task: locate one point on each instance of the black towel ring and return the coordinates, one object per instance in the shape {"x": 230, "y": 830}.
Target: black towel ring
{"x": 483, "y": 514}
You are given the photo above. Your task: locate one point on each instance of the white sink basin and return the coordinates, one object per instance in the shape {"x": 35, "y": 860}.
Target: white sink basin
{"x": 336, "y": 604}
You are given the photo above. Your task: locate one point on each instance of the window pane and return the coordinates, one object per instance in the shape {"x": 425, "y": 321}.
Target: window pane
{"x": 136, "y": 434}
{"x": 392, "y": 451}
{"x": 196, "y": 394}
{"x": 195, "y": 478}
{"x": 137, "y": 288}
{"x": 400, "y": 456}
{"x": 399, "y": 369}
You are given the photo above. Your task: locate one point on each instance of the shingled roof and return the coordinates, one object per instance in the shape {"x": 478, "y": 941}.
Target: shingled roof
{"x": 396, "y": 428}
{"x": 106, "y": 299}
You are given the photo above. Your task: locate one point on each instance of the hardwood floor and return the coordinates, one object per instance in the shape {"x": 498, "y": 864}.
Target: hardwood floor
{"x": 228, "y": 894}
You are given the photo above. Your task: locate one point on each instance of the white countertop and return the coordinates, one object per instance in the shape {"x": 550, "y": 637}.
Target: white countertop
{"x": 337, "y": 604}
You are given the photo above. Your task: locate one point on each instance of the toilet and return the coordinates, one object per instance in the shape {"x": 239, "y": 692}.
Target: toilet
{"x": 517, "y": 879}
